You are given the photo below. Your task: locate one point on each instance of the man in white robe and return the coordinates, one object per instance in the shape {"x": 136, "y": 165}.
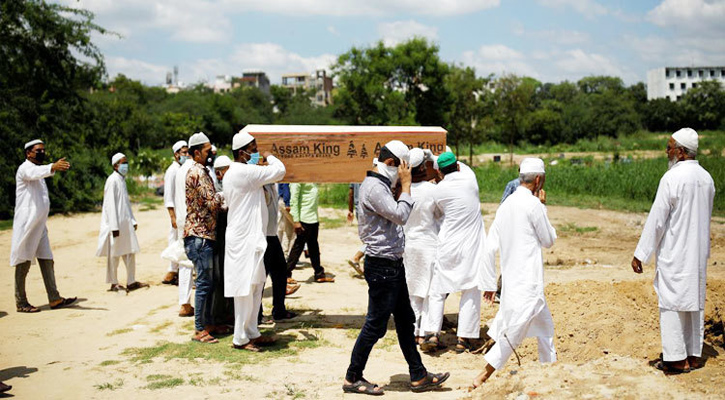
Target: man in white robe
{"x": 246, "y": 242}
{"x": 30, "y": 234}
{"x": 181, "y": 153}
{"x": 186, "y": 267}
{"x": 117, "y": 236}
{"x": 519, "y": 231}
{"x": 461, "y": 241}
{"x": 678, "y": 231}
{"x": 421, "y": 237}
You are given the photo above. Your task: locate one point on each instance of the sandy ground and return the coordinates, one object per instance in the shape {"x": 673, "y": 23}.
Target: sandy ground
{"x": 605, "y": 317}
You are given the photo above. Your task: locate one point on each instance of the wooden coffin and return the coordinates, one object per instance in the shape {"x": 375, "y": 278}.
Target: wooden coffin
{"x": 337, "y": 154}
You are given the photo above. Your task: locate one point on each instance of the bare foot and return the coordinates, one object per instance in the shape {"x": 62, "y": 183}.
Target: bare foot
{"x": 481, "y": 378}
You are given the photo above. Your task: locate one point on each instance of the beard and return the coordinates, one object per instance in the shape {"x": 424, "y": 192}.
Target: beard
{"x": 671, "y": 163}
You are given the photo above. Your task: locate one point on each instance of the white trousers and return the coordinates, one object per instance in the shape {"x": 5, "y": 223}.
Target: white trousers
{"x": 112, "y": 268}
{"x": 682, "y": 334}
{"x": 419, "y": 305}
{"x": 469, "y": 314}
{"x": 185, "y": 285}
{"x": 246, "y": 311}
{"x": 501, "y": 351}
{"x": 173, "y": 236}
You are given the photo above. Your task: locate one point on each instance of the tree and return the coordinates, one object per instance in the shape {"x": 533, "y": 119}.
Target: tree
{"x": 468, "y": 108}
{"x": 704, "y": 105}
{"x": 512, "y": 98}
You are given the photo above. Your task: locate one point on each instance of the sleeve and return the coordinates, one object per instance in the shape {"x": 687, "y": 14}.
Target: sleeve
{"x": 654, "y": 228}
{"x": 295, "y": 201}
{"x": 34, "y": 172}
{"x": 284, "y": 193}
{"x": 488, "y": 270}
{"x": 110, "y": 194}
{"x": 542, "y": 227}
{"x": 385, "y": 205}
{"x": 169, "y": 184}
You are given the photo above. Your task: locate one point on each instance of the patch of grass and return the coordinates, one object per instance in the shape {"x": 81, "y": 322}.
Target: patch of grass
{"x": 160, "y": 327}
{"x": 6, "y": 224}
{"x": 109, "y": 362}
{"x": 574, "y": 228}
{"x": 332, "y": 223}
{"x": 157, "y": 377}
{"x": 235, "y": 375}
{"x": 352, "y": 333}
{"x": 294, "y": 392}
{"x": 333, "y": 194}
{"x": 119, "y": 331}
{"x": 164, "y": 384}
{"x": 118, "y": 383}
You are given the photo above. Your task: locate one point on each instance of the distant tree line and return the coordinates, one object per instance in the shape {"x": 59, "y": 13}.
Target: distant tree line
{"x": 53, "y": 86}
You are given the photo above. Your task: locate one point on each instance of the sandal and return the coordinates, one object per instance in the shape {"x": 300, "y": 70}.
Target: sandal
{"x": 324, "y": 278}
{"x": 430, "y": 346}
{"x": 137, "y": 285}
{"x": 463, "y": 346}
{"x": 291, "y": 281}
{"x": 356, "y": 267}
{"x": 116, "y": 287}
{"x": 63, "y": 303}
{"x": 28, "y": 309}
{"x": 670, "y": 370}
{"x": 362, "y": 386}
{"x": 204, "y": 337}
{"x": 4, "y": 388}
{"x": 291, "y": 289}
{"x": 248, "y": 347}
{"x": 286, "y": 315}
{"x": 430, "y": 382}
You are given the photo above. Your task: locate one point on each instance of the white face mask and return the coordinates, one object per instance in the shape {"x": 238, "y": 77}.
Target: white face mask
{"x": 389, "y": 171}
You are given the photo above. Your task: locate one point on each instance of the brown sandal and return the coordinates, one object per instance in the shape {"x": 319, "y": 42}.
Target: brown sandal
{"x": 28, "y": 309}
{"x": 248, "y": 347}
{"x": 64, "y": 302}
{"x": 204, "y": 337}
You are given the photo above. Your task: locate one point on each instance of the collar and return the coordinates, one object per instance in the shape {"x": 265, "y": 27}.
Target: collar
{"x": 381, "y": 177}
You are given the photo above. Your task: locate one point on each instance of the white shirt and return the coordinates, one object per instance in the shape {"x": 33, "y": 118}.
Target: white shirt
{"x": 170, "y": 183}
{"x": 116, "y": 216}
{"x": 521, "y": 228}
{"x": 32, "y": 205}
{"x": 678, "y": 230}
{"x": 421, "y": 237}
{"x": 247, "y": 222}
{"x": 272, "y": 208}
{"x": 462, "y": 236}
{"x": 180, "y": 196}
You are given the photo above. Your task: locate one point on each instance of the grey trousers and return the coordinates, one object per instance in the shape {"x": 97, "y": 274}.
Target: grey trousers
{"x": 46, "y": 269}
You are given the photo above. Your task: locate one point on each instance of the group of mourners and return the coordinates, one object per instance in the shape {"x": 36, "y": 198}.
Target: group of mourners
{"x": 419, "y": 219}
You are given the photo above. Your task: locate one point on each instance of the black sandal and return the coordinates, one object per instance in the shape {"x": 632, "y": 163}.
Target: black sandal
{"x": 28, "y": 309}
{"x": 431, "y": 381}
{"x": 64, "y": 303}
{"x": 463, "y": 346}
{"x": 369, "y": 388}
{"x": 670, "y": 370}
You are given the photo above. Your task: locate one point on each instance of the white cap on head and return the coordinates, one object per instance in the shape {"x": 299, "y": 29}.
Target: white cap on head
{"x": 222, "y": 161}
{"x": 197, "y": 139}
{"x": 687, "y": 137}
{"x": 416, "y": 157}
{"x": 241, "y": 139}
{"x": 399, "y": 149}
{"x": 116, "y": 158}
{"x": 448, "y": 149}
{"x": 178, "y": 145}
{"x": 532, "y": 166}
{"x": 213, "y": 149}
{"x": 33, "y": 143}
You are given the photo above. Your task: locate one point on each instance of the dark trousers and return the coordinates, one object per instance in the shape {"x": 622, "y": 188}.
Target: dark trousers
{"x": 309, "y": 236}
{"x": 48, "y": 272}
{"x": 200, "y": 251}
{"x": 387, "y": 294}
{"x": 275, "y": 266}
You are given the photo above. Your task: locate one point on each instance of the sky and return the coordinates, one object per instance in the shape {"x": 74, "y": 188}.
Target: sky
{"x": 550, "y": 40}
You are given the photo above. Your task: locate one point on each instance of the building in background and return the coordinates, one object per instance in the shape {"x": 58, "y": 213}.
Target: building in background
{"x": 318, "y": 84}
{"x": 256, "y": 79}
{"x": 674, "y": 82}
{"x": 222, "y": 84}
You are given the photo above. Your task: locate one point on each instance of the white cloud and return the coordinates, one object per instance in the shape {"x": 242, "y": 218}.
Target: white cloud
{"x": 555, "y": 36}
{"x": 396, "y": 32}
{"x": 147, "y": 73}
{"x": 333, "y": 30}
{"x": 498, "y": 59}
{"x": 578, "y": 62}
{"x": 702, "y": 17}
{"x": 363, "y": 7}
{"x": 588, "y": 8}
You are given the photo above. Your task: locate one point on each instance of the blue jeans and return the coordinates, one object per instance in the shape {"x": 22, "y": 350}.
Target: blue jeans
{"x": 201, "y": 252}
{"x": 387, "y": 294}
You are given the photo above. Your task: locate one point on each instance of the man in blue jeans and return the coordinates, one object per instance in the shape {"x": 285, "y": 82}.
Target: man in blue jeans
{"x": 202, "y": 204}
{"x": 380, "y": 225}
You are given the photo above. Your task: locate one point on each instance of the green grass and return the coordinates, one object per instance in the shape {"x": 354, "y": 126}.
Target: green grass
{"x": 629, "y": 186}
{"x": 6, "y": 224}
{"x": 333, "y": 194}
{"x": 332, "y": 223}
{"x": 164, "y": 383}
{"x": 109, "y": 362}
{"x": 119, "y": 332}
{"x": 117, "y": 384}
{"x": 575, "y": 229}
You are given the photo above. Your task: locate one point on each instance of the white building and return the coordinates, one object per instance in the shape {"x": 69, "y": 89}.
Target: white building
{"x": 318, "y": 83}
{"x": 222, "y": 84}
{"x": 673, "y": 82}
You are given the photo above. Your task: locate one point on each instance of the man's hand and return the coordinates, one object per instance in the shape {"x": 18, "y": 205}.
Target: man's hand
{"x": 542, "y": 196}
{"x": 428, "y": 154}
{"x": 298, "y": 228}
{"x": 636, "y": 265}
{"x": 350, "y": 217}
{"x": 266, "y": 155}
{"x": 60, "y": 165}
{"x": 404, "y": 175}
{"x": 173, "y": 223}
{"x": 135, "y": 227}
{"x": 489, "y": 297}
{"x": 115, "y": 233}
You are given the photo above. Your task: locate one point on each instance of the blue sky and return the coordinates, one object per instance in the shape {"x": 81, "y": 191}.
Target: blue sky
{"x": 550, "y": 40}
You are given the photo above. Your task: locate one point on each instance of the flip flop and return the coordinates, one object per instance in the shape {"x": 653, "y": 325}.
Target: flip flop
{"x": 323, "y": 279}
{"x": 204, "y": 337}
{"x": 669, "y": 370}
{"x": 429, "y": 384}
{"x": 355, "y": 266}
{"x": 248, "y": 347}
{"x": 136, "y": 286}
{"x": 65, "y": 302}
{"x": 367, "y": 388}
{"x": 28, "y": 309}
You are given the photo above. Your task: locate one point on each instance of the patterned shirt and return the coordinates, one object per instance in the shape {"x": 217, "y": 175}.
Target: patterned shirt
{"x": 202, "y": 203}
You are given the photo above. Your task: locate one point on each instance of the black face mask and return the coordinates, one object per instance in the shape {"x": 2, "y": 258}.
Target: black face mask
{"x": 210, "y": 160}
{"x": 39, "y": 157}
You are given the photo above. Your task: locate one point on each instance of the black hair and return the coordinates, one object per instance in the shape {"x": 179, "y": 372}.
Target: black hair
{"x": 235, "y": 153}
{"x": 194, "y": 148}
{"x": 449, "y": 168}
{"x": 385, "y": 154}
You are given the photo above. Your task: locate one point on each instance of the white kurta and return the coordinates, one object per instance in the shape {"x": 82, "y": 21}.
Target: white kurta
{"x": 180, "y": 196}
{"x": 247, "y": 222}
{"x": 170, "y": 184}
{"x": 462, "y": 235}
{"x": 521, "y": 228}
{"x": 678, "y": 230}
{"x": 116, "y": 216}
{"x": 32, "y": 204}
{"x": 421, "y": 237}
